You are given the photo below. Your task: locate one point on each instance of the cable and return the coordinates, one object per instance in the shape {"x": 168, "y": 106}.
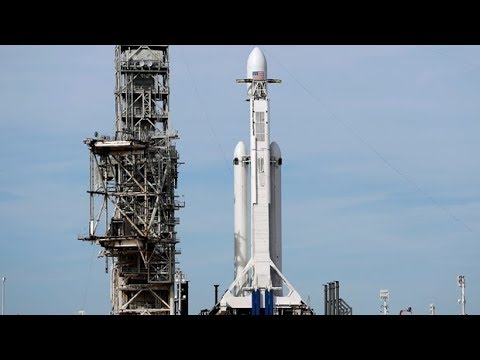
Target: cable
{"x": 473, "y": 66}
{"x": 371, "y": 147}
{"x": 205, "y": 111}
{"x": 227, "y": 163}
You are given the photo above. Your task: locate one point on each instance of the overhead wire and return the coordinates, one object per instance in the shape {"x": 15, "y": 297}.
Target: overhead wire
{"x": 205, "y": 113}
{"x": 355, "y": 132}
{"x": 229, "y": 168}
{"x": 473, "y": 66}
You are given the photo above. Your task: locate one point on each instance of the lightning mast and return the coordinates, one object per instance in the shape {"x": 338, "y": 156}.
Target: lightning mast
{"x": 133, "y": 177}
{"x": 384, "y": 297}
{"x": 461, "y": 285}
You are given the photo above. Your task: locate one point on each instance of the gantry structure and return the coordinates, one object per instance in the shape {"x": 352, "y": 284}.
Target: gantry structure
{"x": 133, "y": 182}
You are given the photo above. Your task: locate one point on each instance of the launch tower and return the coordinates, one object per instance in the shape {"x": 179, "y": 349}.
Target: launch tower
{"x": 133, "y": 178}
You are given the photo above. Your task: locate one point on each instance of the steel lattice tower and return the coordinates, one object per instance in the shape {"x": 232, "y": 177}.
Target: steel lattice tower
{"x": 137, "y": 172}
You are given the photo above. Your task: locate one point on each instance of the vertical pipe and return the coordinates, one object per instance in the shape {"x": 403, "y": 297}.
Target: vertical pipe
{"x": 92, "y": 204}
{"x": 240, "y": 208}
{"x": 108, "y": 164}
{"x": 276, "y": 212}
{"x": 333, "y": 297}
{"x": 3, "y": 295}
{"x": 216, "y": 294}
{"x": 185, "y": 296}
{"x": 337, "y": 298}
{"x": 172, "y": 300}
{"x": 325, "y": 289}
{"x": 179, "y": 292}
{"x": 330, "y": 299}
{"x": 118, "y": 104}
{"x": 461, "y": 284}
{"x": 112, "y": 282}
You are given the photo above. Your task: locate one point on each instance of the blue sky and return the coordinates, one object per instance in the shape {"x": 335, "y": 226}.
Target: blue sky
{"x": 360, "y": 129}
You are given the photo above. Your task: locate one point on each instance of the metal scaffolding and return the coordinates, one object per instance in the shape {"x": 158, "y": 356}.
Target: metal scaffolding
{"x": 334, "y": 304}
{"x": 133, "y": 177}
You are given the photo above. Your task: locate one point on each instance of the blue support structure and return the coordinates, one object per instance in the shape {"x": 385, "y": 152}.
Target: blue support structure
{"x": 266, "y": 302}
{"x": 270, "y": 303}
{"x": 253, "y": 303}
{"x": 256, "y": 302}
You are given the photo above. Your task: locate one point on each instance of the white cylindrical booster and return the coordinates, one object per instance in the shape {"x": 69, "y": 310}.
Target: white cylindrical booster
{"x": 240, "y": 171}
{"x": 276, "y": 211}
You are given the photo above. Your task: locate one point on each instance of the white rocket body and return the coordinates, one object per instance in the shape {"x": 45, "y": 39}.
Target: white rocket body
{"x": 259, "y": 175}
{"x": 258, "y": 274}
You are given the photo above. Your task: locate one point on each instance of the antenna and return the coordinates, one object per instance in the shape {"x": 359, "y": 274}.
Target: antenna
{"x": 432, "y": 309}
{"x": 384, "y": 297}
{"x": 180, "y": 278}
{"x": 461, "y": 285}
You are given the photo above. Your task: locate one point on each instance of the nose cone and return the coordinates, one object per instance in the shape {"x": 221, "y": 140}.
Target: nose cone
{"x": 240, "y": 150}
{"x": 257, "y": 65}
{"x": 275, "y": 151}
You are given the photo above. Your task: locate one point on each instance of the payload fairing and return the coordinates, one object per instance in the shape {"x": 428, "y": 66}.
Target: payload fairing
{"x": 258, "y": 287}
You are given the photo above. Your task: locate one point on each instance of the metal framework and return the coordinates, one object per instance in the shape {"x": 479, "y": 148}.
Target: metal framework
{"x": 334, "y": 304}
{"x": 133, "y": 178}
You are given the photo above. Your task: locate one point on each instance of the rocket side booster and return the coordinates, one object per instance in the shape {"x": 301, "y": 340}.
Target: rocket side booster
{"x": 240, "y": 172}
{"x": 276, "y": 212}
{"x": 258, "y": 281}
